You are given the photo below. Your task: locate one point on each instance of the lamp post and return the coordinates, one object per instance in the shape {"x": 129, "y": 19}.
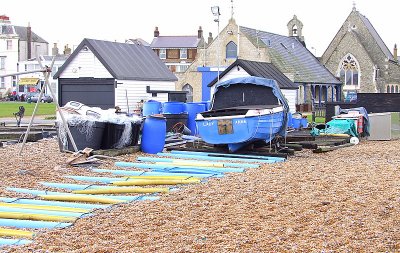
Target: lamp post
{"x": 216, "y": 13}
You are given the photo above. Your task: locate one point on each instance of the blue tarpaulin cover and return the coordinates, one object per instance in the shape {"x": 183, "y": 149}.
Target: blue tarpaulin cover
{"x": 263, "y": 82}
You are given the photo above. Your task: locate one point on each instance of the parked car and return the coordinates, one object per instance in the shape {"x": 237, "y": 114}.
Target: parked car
{"x": 34, "y": 98}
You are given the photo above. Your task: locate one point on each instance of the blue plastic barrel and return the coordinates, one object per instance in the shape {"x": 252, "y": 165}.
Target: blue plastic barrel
{"x": 290, "y": 120}
{"x": 207, "y": 104}
{"x": 173, "y": 107}
{"x": 193, "y": 109}
{"x": 304, "y": 123}
{"x": 153, "y": 134}
{"x": 296, "y": 123}
{"x": 151, "y": 107}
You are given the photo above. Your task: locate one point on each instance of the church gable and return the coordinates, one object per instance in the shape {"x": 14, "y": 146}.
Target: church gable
{"x": 366, "y": 34}
{"x": 376, "y": 65}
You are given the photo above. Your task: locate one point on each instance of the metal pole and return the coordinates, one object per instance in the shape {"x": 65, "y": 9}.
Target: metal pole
{"x": 219, "y": 42}
{"x": 25, "y": 72}
{"x": 33, "y": 116}
{"x": 62, "y": 117}
{"x": 47, "y": 74}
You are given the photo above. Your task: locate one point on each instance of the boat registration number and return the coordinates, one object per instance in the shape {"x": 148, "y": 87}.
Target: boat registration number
{"x": 225, "y": 126}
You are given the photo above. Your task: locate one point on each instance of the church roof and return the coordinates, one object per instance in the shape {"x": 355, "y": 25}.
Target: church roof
{"x": 376, "y": 36}
{"x": 290, "y": 56}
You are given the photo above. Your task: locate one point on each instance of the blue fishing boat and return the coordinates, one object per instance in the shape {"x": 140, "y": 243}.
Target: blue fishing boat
{"x": 244, "y": 110}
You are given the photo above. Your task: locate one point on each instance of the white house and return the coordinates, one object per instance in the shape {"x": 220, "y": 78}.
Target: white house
{"x": 244, "y": 68}
{"x": 17, "y": 43}
{"x": 107, "y": 74}
{"x": 38, "y": 78}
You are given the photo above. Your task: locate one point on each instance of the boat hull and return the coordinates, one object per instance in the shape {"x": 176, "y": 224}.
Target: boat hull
{"x": 239, "y": 130}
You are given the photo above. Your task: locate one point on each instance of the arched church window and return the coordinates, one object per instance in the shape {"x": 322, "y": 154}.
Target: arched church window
{"x": 189, "y": 92}
{"x": 388, "y": 89}
{"x": 392, "y": 89}
{"x": 231, "y": 50}
{"x": 397, "y": 89}
{"x": 349, "y": 71}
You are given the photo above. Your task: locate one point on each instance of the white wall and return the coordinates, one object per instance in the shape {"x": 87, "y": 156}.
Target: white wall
{"x": 85, "y": 64}
{"x": 11, "y": 60}
{"x": 136, "y": 90}
{"x": 37, "y": 48}
{"x": 32, "y": 65}
{"x": 291, "y": 96}
{"x": 233, "y": 73}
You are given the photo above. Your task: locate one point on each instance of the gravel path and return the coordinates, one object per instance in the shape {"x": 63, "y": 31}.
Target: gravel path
{"x": 346, "y": 200}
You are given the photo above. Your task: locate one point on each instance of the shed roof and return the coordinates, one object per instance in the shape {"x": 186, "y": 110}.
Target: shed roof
{"x": 261, "y": 69}
{"x": 289, "y": 55}
{"x": 125, "y": 61}
{"x": 175, "y": 42}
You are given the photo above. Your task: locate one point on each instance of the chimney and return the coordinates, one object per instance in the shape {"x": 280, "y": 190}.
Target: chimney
{"x": 156, "y": 32}
{"x": 29, "y": 41}
{"x": 200, "y": 33}
{"x": 4, "y": 17}
{"x": 210, "y": 38}
{"x": 395, "y": 52}
{"x": 54, "y": 50}
{"x": 67, "y": 50}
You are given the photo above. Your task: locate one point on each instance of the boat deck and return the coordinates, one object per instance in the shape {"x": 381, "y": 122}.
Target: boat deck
{"x": 238, "y": 110}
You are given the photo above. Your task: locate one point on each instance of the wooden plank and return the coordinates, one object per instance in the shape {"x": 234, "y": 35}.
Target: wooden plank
{"x": 296, "y": 147}
{"x": 117, "y": 152}
{"x": 327, "y": 149}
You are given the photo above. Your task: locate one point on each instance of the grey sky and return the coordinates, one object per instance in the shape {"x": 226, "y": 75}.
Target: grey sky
{"x": 71, "y": 21}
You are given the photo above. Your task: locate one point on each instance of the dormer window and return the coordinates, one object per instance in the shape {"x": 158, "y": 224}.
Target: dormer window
{"x": 183, "y": 53}
{"x": 6, "y": 29}
{"x": 163, "y": 53}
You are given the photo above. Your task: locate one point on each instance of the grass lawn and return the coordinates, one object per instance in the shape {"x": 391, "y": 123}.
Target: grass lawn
{"x": 8, "y": 108}
{"x": 318, "y": 120}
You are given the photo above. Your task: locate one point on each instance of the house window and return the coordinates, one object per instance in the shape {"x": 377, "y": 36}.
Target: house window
{"x": 231, "y": 50}
{"x": 9, "y": 44}
{"x": 181, "y": 68}
{"x": 163, "y": 53}
{"x": 14, "y": 81}
{"x": 3, "y": 83}
{"x": 349, "y": 71}
{"x": 2, "y": 62}
{"x": 189, "y": 92}
{"x": 183, "y": 53}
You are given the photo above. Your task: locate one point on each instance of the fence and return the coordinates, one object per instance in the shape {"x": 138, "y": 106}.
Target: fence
{"x": 372, "y": 102}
